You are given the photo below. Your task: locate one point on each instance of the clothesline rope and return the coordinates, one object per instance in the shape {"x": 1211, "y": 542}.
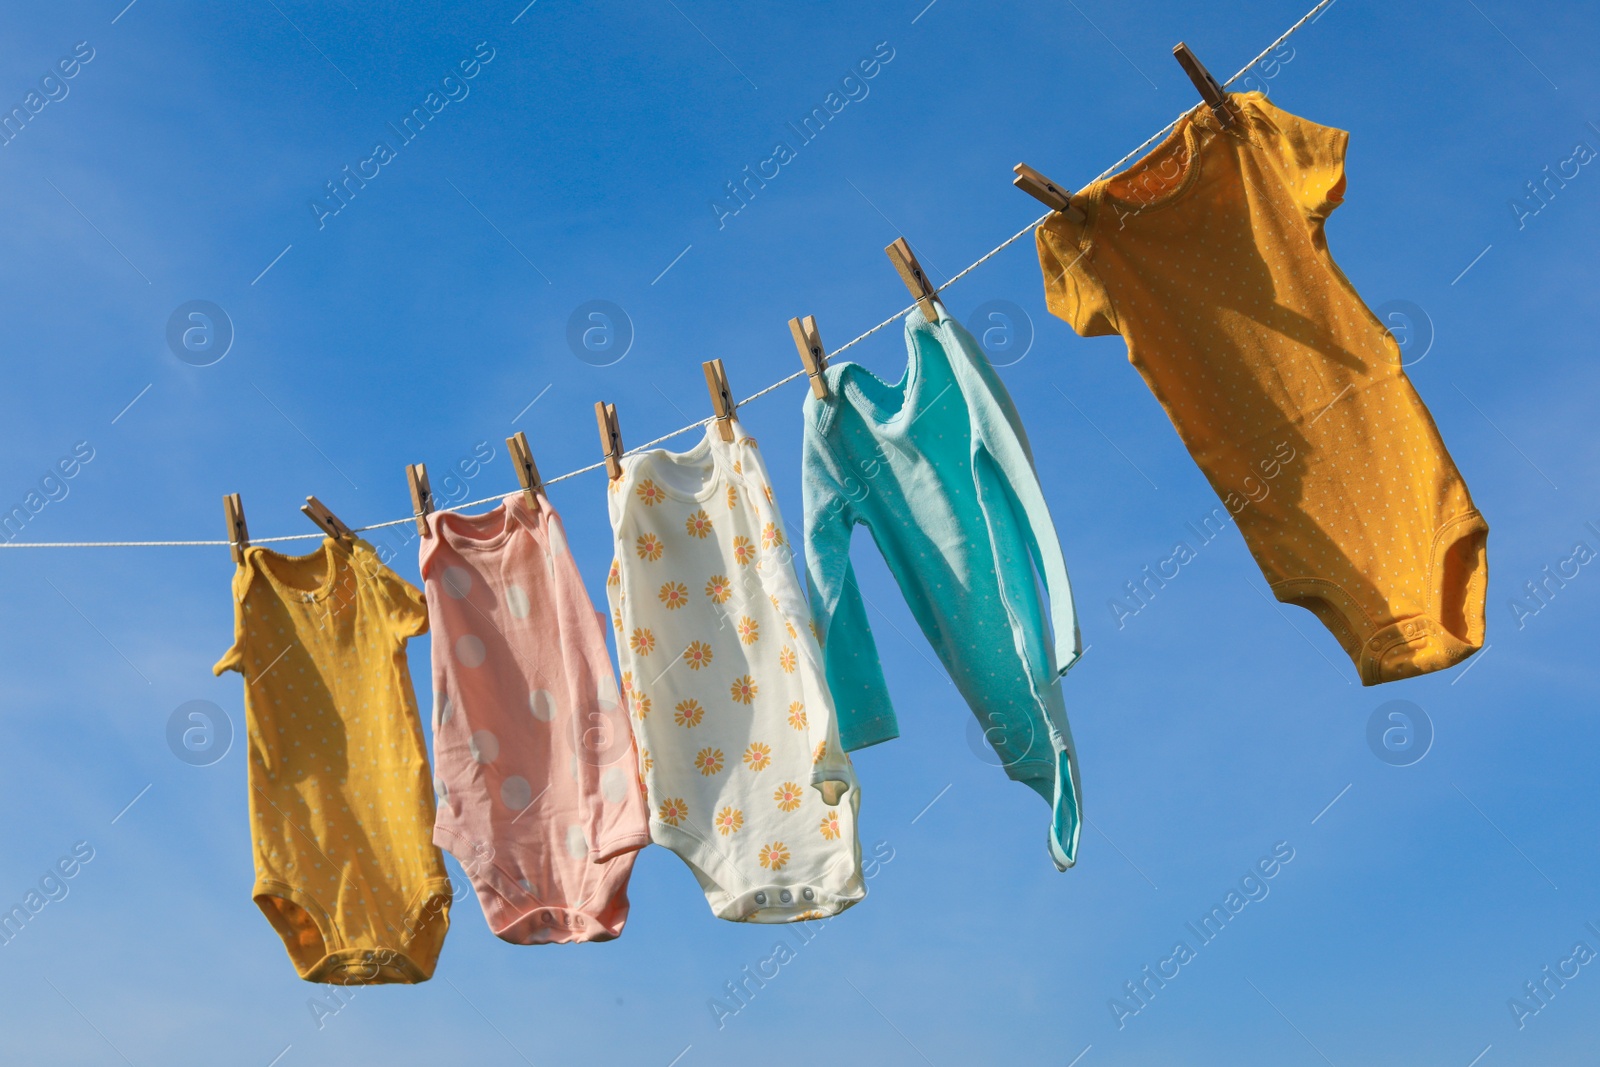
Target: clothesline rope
{"x": 780, "y": 383}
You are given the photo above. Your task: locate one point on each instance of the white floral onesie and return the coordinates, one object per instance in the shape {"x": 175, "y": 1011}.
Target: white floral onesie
{"x": 738, "y": 745}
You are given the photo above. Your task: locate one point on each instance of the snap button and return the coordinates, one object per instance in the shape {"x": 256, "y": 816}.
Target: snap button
{"x": 785, "y": 896}
{"x": 761, "y": 898}
{"x": 808, "y": 894}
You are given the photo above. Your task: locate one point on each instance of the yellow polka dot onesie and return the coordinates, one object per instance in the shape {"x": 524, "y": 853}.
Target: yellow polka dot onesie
{"x": 341, "y": 808}
{"x": 1209, "y": 257}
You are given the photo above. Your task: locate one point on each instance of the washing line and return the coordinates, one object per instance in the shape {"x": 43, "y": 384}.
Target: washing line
{"x": 1309, "y": 16}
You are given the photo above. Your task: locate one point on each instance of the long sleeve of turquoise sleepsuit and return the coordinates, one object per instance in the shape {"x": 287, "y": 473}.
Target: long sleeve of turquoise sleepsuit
{"x": 855, "y": 675}
{"x": 938, "y": 468}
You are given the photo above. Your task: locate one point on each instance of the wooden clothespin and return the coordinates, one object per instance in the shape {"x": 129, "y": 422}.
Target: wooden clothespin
{"x": 522, "y": 463}
{"x": 421, "y": 495}
{"x": 1046, "y": 192}
{"x": 605, "y": 415}
{"x": 916, "y": 279}
{"x": 318, "y": 512}
{"x": 1210, "y": 89}
{"x": 812, "y": 357}
{"x": 238, "y": 533}
{"x": 721, "y": 397}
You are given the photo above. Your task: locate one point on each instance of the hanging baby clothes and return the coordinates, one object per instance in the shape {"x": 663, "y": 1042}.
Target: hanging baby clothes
{"x": 535, "y": 771}
{"x": 938, "y": 468}
{"x": 740, "y": 750}
{"x": 340, "y": 810}
{"x": 1209, "y": 257}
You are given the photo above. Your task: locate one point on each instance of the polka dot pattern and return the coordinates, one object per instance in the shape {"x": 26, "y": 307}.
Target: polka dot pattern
{"x": 469, "y": 650}
{"x": 542, "y": 704}
{"x": 526, "y": 801}
{"x": 457, "y": 582}
{"x": 1209, "y": 256}
{"x": 341, "y": 801}
{"x": 516, "y": 792}
{"x": 484, "y": 746}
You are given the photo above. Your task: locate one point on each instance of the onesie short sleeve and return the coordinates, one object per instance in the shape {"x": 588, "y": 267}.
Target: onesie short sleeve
{"x": 233, "y": 659}
{"x": 1311, "y": 155}
{"x": 1072, "y": 289}
{"x": 405, "y": 608}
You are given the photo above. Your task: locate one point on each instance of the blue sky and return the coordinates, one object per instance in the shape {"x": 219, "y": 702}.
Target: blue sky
{"x": 581, "y": 163}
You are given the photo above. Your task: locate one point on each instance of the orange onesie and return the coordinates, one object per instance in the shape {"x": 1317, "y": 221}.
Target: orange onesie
{"x": 1208, "y": 256}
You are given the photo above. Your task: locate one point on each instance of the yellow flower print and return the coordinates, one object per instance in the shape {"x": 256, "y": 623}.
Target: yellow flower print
{"x": 733, "y": 497}
{"x": 649, "y": 547}
{"x": 648, "y": 761}
{"x": 758, "y": 757}
{"x": 651, "y": 493}
{"x": 830, "y": 826}
{"x": 616, "y": 619}
{"x": 743, "y": 550}
{"x": 789, "y": 626}
{"x": 698, "y": 524}
{"x": 673, "y": 811}
{"x": 797, "y": 715}
{"x": 642, "y": 641}
{"x": 787, "y": 660}
{"x": 614, "y": 578}
{"x": 641, "y": 706}
{"x": 822, "y": 750}
{"x": 771, "y": 536}
{"x": 728, "y": 821}
{"x": 744, "y": 689}
{"x": 738, "y": 467}
{"x": 787, "y": 796}
{"x": 688, "y": 713}
{"x": 767, "y": 489}
{"x": 816, "y": 633}
{"x": 774, "y": 856}
{"x": 627, "y": 682}
{"x": 709, "y": 761}
{"x": 697, "y": 655}
{"x": 751, "y": 441}
{"x": 813, "y": 913}
{"x": 749, "y": 630}
{"x": 719, "y": 589}
{"x": 674, "y": 595}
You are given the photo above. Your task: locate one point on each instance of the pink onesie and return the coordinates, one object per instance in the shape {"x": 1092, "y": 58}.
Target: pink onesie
{"x": 534, "y": 766}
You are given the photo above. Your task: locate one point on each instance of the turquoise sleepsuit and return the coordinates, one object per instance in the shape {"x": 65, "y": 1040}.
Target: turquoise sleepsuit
{"x": 938, "y": 468}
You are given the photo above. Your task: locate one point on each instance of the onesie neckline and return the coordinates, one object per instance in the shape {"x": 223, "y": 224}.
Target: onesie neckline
{"x": 1098, "y": 193}
{"x": 329, "y": 551}
{"x": 852, "y": 377}
{"x": 511, "y": 513}
{"x": 708, "y": 456}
